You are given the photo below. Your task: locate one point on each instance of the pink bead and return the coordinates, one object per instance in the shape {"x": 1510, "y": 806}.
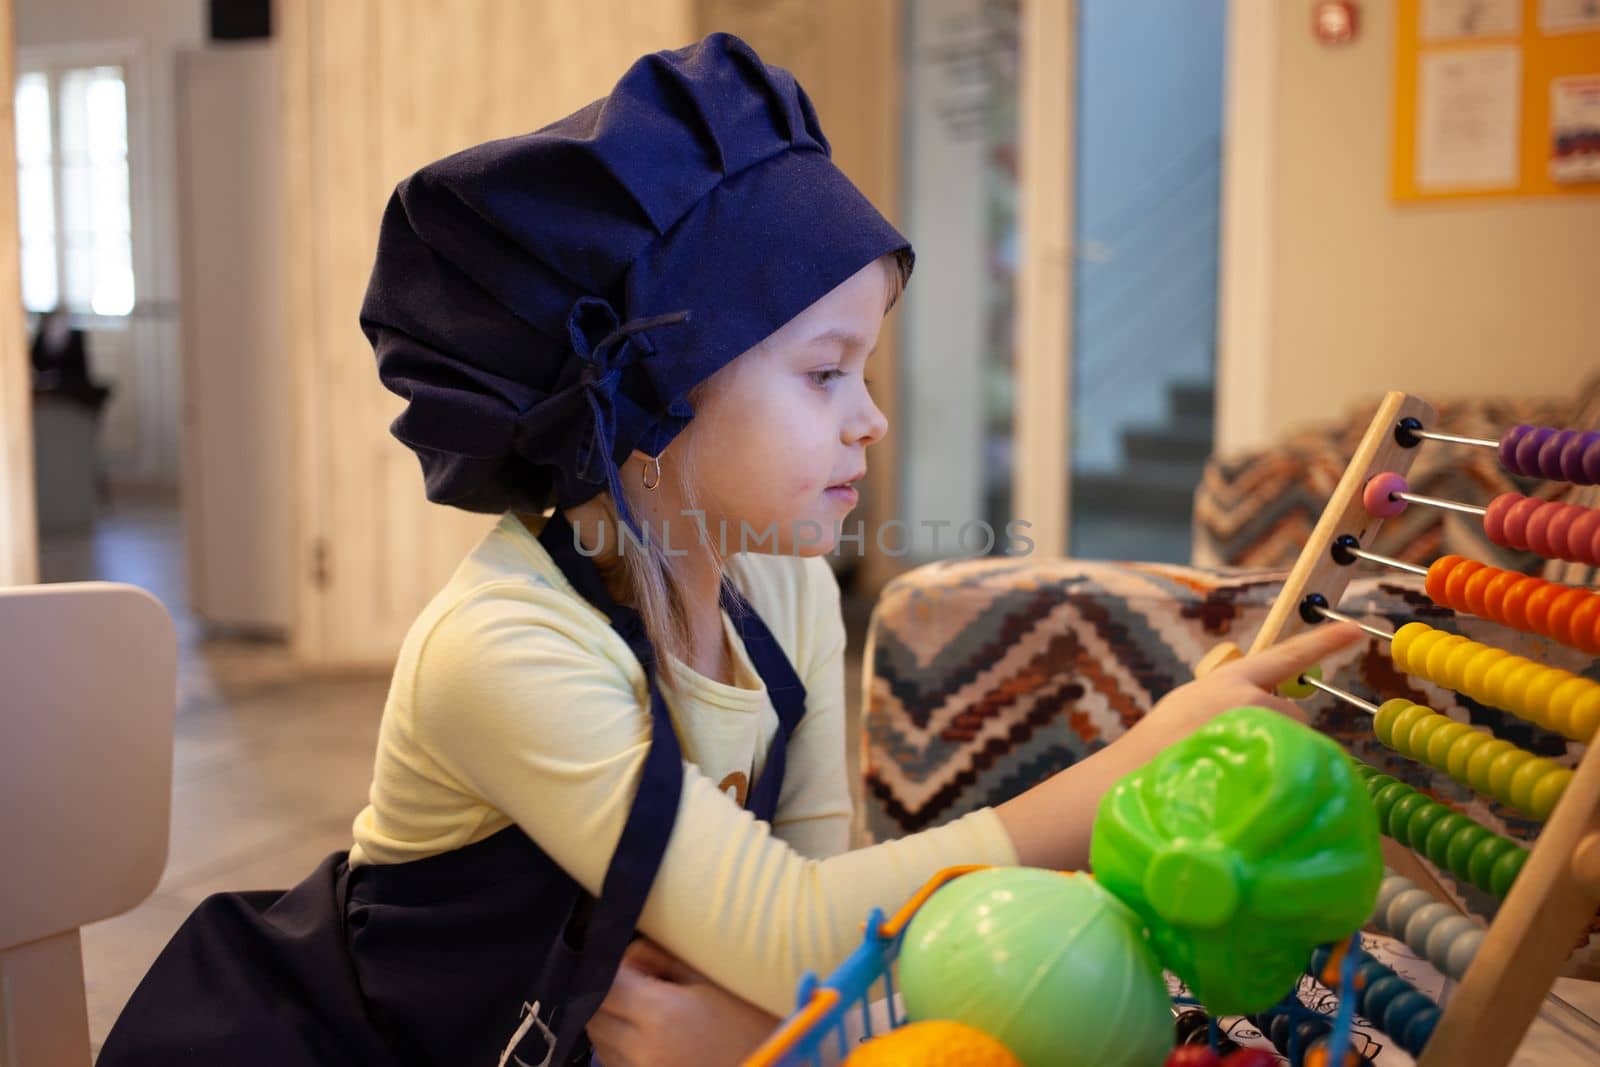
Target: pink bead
{"x": 1584, "y": 538}
{"x": 1494, "y": 521}
{"x": 1538, "y": 530}
{"x": 1517, "y": 521}
{"x": 1560, "y": 530}
{"x": 1378, "y": 496}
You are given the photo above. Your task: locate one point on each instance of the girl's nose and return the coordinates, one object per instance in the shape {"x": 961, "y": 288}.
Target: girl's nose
{"x": 869, "y": 423}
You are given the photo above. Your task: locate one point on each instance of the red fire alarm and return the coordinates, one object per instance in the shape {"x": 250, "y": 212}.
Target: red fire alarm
{"x": 1334, "y": 22}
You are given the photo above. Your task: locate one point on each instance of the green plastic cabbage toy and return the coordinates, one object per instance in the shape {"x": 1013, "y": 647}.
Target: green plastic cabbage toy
{"x": 1241, "y": 848}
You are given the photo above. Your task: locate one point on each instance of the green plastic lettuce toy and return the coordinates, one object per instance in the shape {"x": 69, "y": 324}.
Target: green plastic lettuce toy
{"x": 1241, "y": 848}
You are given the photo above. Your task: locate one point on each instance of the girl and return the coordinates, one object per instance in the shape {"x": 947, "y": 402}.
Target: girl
{"x": 638, "y": 335}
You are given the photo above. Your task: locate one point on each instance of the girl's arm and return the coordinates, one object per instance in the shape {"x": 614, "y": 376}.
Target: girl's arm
{"x": 1050, "y": 824}
{"x": 526, "y": 702}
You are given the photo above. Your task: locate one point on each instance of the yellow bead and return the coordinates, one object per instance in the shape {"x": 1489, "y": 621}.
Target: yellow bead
{"x": 1539, "y": 690}
{"x": 1440, "y": 654}
{"x": 1503, "y": 767}
{"x": 1458, "y": 660}
{"x": 1383, "y": 722}
{"x": 1472, "y": 675}
{"x": 1584, "y": 718}
{"x": 1447, "y": 734}
{"x": 1562, "y": 700}
{"x": 1548, "y": 790}
{"x": 1296, "y": 689}
{"x": 1462, "y": 751}
{"x": 1409, "y": 730}
{"x": 1404, "y": 638}
{"x": 1478, "y": 765}
{"x": 1519, "y": 793}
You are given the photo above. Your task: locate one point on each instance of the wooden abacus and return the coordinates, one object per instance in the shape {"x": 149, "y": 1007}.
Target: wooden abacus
{"x": 1554, "y": 887}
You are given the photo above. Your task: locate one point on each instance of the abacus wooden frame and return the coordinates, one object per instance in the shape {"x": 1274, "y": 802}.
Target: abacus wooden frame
{"x": 1555, "y": 895}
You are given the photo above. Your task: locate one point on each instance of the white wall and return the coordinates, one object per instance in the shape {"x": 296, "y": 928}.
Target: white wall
{"x": 943, "y": 356}
{"x": 143, "y": 423}
{"x": 1331, "y": 292}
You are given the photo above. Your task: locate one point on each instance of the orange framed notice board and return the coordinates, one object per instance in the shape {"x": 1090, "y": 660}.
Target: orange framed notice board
{"x": 1496, "y": 98}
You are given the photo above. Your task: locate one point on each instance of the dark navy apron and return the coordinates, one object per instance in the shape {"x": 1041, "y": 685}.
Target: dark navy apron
{"x": 436, "y": 961}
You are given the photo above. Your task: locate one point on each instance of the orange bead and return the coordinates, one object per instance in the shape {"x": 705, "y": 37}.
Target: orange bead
{"x": 1559, "y": 619}
{"x": 1515, "y": 606}
{"x": 1584, "y": 623}
{"x": 1537, "y": 606}
{"x": 1495, "y": 595}
{"x": 1475, "y": 591}
{"x": 1438, "y": 577}
{"x": 1455, "y": 585}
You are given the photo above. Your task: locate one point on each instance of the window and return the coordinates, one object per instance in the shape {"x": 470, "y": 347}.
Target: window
{"x": 72, "y": 189}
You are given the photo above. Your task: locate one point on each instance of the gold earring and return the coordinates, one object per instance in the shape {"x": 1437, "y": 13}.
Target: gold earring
{"x": 653, "y": 461}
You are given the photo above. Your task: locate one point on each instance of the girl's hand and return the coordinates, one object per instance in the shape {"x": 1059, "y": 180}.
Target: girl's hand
{"x": 1050, "y": 825}
{"x": 1249, "y": 680}
{"x": 663, "y": 1013}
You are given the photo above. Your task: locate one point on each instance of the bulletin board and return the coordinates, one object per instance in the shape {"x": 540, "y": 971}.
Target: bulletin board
{"x": 1496, "y": 98}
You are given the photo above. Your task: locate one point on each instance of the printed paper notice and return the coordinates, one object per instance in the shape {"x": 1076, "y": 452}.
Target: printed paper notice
{"x": 1467, "y": 119}
{"x": 1569, "y": 16}
{"x": 1575, "y": 129}
{"x": 1451, "y": 20}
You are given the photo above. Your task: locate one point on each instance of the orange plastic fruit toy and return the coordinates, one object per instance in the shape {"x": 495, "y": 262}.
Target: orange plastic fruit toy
{"x": 933, "y": 1043}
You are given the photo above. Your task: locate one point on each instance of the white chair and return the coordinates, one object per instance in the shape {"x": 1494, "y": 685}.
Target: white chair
{"x": 88, "y": 694}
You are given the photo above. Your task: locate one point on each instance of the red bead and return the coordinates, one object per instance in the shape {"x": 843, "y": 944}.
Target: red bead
{"x": 1251, "y": 1057}
{"x": 1192, "y": 1056}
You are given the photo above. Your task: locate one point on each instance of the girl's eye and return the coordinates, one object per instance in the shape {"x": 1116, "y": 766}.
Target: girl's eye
{"x": 823, "y": 377}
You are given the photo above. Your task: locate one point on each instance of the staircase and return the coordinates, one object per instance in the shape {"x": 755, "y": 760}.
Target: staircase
{"x": 1147, "y": 503}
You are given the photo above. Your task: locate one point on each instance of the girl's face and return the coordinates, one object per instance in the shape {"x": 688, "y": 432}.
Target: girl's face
{"x": 782, "y": 432}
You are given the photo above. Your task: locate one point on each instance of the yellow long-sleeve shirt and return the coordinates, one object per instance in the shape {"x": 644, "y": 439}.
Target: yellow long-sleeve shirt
{"x": 514, "y": 702}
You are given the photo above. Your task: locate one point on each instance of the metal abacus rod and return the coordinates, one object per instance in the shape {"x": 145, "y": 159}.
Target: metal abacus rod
{"x": 1550, "y": 528}
{"x": 1477, "y": 759}
{"x": 1531, "y": 451}
{"x": 1568, "y": 614}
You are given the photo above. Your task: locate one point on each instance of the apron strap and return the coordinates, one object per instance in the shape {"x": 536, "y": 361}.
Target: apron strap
{"x": 788, "y": 695}
{"x": 633, "y": 867}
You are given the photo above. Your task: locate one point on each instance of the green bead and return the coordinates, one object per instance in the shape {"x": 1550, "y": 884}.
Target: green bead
{"x": 1443, "y": 834}
{"x": 1483, "y": 858}
{"x": 1462, "y": 842}
{"x": 1384, "y": 799}
{"x": 1505, "y": 871}
{"x": 1424, "y": 819}
{"x": 1402, "y": 813}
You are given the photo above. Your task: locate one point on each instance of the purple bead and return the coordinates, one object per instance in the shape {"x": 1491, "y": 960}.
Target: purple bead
{"x": 1528, "y": 451}
{"x": 1550, "y": 465}
{"x": 1508, "y": 447}
{"x": 1591, "y": 458}
{"x": 1571, "y": 458}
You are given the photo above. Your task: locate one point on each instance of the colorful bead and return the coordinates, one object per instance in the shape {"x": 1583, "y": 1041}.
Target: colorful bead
{"x": 1379, "y": 495}
{"x": 1448, "y": 838}
{"x": 1564, "y": 613}
{"x": 1555, "y": 699}
{"x": 1553, "y": 529}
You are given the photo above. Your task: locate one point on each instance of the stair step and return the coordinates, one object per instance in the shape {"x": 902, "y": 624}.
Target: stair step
{"x": 1193, "y": 398}
{"x": 1186, "y": 439}
{"x": 1142, "y": 488}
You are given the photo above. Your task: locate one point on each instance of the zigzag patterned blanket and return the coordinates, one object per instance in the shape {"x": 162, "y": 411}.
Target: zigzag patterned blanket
{"x": 985, "y": 676}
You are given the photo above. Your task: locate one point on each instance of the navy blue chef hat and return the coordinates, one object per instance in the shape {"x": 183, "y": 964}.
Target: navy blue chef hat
{"x": 544, "y": 302}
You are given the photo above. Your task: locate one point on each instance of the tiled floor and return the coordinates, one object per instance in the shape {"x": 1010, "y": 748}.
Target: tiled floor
{"x": 270, "y": 765}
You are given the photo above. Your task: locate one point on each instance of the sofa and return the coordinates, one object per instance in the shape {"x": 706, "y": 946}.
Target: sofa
{"x": 984, "y": 676}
